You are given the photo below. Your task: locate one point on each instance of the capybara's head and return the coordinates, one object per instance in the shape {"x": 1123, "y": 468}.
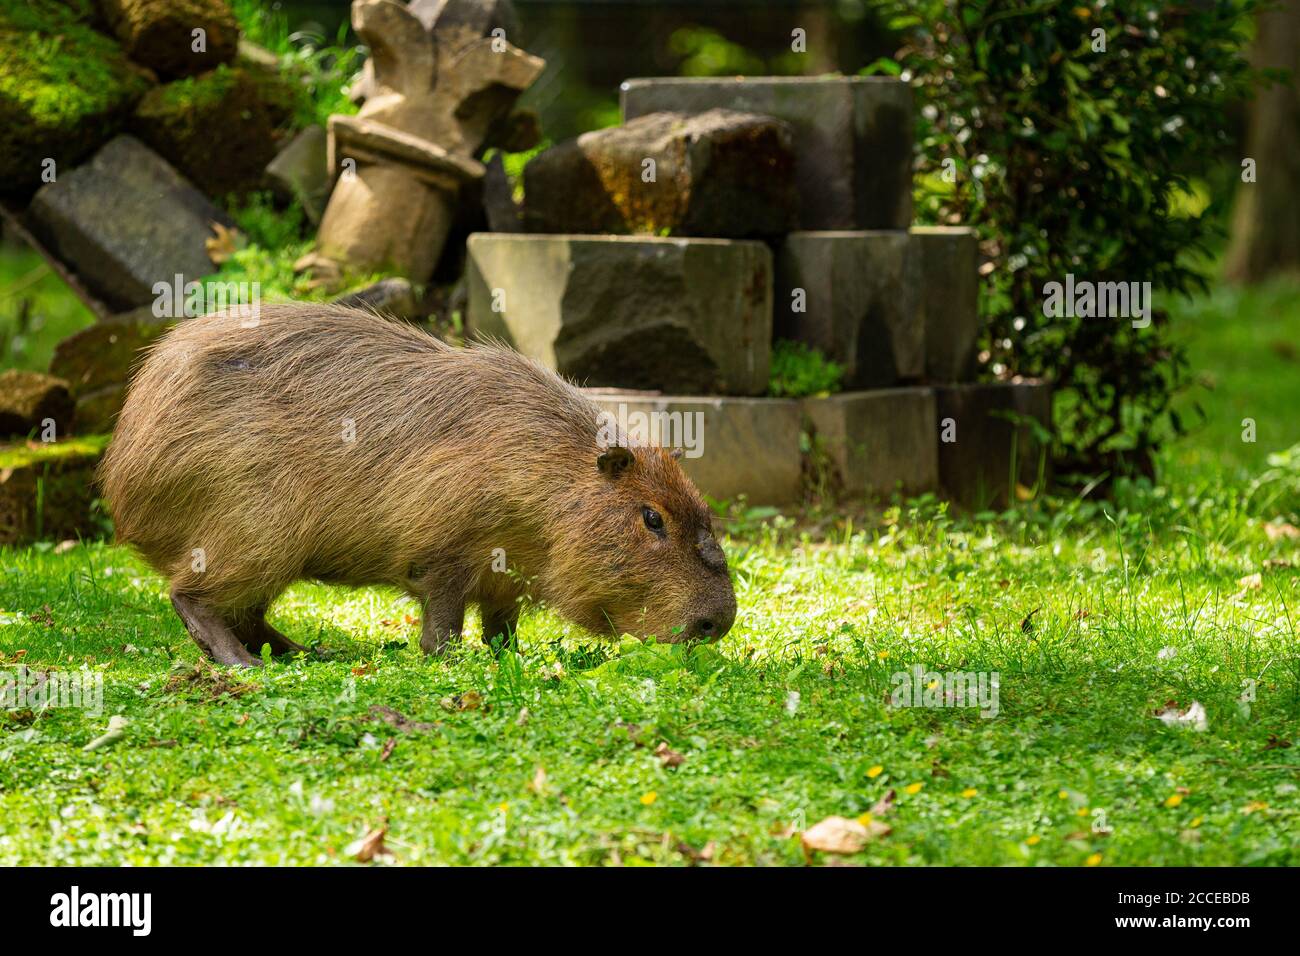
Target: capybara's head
{"x": 661, "y": 570}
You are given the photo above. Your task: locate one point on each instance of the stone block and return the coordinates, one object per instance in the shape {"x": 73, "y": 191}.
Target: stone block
{"x": 879, "y": 440}
{"x": 719, "y": 173}
{"x": 852, "y": 137}
{"x": 30, "y": 399}
{"x": 677, "y": 315}
{"x": 730, "y": 446}
{"x": 47, "y": 490}
{"x": 393, "y": 297}
{"x": 98, "y": 362}
{"x": 986, "y": 444}
{"x": 65, "y": 90}
{"x": 160, "y": 33}
{"x": 949, "y": 299}
{"x": 300, "y": 171}
{"x": 125, "y": 221}
{"x": 860, "y": 303}
{"x": 176, "y": 120}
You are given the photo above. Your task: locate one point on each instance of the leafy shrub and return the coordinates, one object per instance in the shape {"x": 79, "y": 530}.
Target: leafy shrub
{"x": 798, "y": 370}
{"x": 323, "y": 68}
{"x": 1075, "y": 160}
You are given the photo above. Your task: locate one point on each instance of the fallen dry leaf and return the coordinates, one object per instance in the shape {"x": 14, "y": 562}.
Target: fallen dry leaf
{"x": 669, "y": 757}
{"x": 222, "y": 244}
{"x": 369, "y": 847}
{"x": 1027, "y": 624}
{"x": 117, "y": 725}
{"x": 1193, "y": 718}
{"x": 397, "y": 720}
{"x": 1252, "y": 582}
{"x": 389, "y": 746}
{"x": 470, "y": 700}
{"x": 538, "y": 784}
{"x": 696, "y": 856}
{"x": 1278, "y": 532}
{"x": 841, "y": 835}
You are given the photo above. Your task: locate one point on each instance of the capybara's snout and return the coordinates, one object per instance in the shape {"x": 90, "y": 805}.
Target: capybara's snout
{"x": 715, "y": 617}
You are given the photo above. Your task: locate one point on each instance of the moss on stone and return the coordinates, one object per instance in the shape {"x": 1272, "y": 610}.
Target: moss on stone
{"x": 25, "y": 454}
{"x": 65, "y": 88}
{"x": 179, "y": 120}
{"x": 47, "y": 490}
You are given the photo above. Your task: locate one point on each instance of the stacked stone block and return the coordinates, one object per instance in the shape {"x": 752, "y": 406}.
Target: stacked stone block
{"x": 692, "y": 316}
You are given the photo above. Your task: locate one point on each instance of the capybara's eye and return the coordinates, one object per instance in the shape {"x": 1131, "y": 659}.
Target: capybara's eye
{"x": 653, "y": 519}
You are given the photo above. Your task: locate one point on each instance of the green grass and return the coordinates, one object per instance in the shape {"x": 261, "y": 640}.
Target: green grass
{"x": 1244, "y": 346}
{"x": 1095, "y": 616}
{"x": 293, "y": 770}
{"x": 37, "y": 310}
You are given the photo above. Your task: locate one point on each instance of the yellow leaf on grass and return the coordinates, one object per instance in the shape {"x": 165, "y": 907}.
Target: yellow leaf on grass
{"x": 1034, "y": 840}
{"x": 1174, "y": 800}
{"x": 875, "y": 771}
{"x": 969, "y": 792}
{"x": 1093, "y": 860}
{"x": 649, "y": 798}
{"x": 913, "y": 788}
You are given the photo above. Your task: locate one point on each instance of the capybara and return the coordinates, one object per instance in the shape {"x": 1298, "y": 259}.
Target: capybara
{"x": 328, "y": 443}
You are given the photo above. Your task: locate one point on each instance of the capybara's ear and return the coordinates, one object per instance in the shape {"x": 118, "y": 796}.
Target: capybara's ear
{"x": 615, "y": 460}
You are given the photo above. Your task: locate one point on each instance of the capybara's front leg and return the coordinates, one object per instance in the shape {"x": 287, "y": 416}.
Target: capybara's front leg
{"x": 444, "y": 618}
{"x": 211, "y": 632}
{"x": 253, "y": 631}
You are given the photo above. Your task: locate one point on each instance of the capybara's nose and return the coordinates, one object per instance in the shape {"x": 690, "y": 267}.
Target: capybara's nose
{"x": 715, "y": 624}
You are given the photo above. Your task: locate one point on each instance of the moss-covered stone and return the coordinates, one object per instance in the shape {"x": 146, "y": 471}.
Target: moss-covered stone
{"x": 179, "y": 120}
{"x": 29, "y": 399}
{"x": 47, "y": 490}
{"x": 65, "y": 88}
{"x": 97, "y": 363}
{"x": 160, "y": 33}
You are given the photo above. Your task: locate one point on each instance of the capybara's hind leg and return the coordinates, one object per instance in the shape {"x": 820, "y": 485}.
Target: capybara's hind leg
{"x": 499, "y": 625}
{"x": 211, "y": 632}
{"x": 443, "y": 620}
{"x": 253, "y": 631}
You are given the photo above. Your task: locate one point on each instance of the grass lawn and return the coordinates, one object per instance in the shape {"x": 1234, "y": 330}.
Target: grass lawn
{"x": 1094, "y": 618}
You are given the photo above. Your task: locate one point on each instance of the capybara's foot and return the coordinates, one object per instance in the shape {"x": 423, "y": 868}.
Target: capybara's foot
{"x": 499, "y": 625}
{"x": 442, "y": 623}
{"x": 254, "y": 631}
{"x": 211, "y": 633}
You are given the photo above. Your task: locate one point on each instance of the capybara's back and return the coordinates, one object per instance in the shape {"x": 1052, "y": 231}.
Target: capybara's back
{"x": 324, "y": 442}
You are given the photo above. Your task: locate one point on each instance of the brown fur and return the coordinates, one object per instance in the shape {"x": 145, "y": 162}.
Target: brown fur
{"x": 231, "y": 440}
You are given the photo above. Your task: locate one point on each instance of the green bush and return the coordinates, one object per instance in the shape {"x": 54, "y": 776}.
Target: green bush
{"x": 1069, "y": 159}
{"x": 798, "y": 370}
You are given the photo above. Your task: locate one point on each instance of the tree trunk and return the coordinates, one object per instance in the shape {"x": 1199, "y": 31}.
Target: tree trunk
{"x": 1266, "y": 216}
